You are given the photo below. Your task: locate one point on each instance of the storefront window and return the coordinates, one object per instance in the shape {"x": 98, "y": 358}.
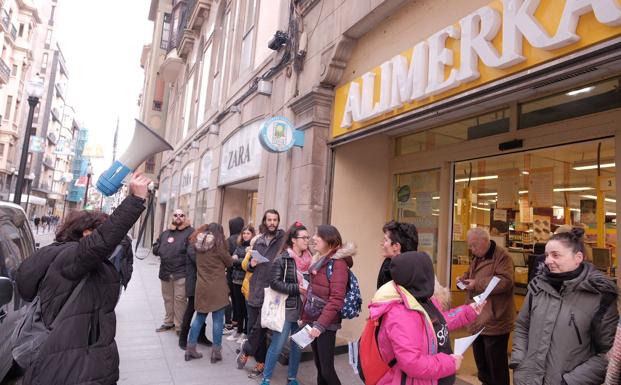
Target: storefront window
{"x": 477, "y": 127}
{"x": 579, "y": 101}
{"x": 200, "y": 212}
{"x": 417, "y": 197}
{"x": 523, "y": 198}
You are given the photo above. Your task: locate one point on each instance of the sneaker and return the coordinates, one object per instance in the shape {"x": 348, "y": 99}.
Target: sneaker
{"x": 227, "y": 331}
{"x": 293, "y": 382}
{"x": 233, "y": 337}
{"x": 165, "y": 328}
{"x": 257, "y": 370}
{"x": 242, "y": 338}
{"x": 241, "y": 360}
{"x": 265, "y": 382}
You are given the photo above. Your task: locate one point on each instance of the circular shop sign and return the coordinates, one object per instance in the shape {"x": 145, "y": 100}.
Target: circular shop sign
{"x": 276, "y": 134}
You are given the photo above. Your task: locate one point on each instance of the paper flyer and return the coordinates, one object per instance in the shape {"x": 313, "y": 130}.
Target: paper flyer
{"x": 488, "y": 290}
{"x": 303, "y": 337}
{"x": 258, "y": 257}
{"x": 462, "y": 344}
{"x": 353, "y": 355}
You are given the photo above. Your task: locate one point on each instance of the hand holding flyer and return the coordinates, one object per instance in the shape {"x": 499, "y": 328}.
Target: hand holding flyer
{"x": 256, "y": 256}
{"x": 488, "y": 290}
{"x": 303, "y": 337}
{"x": 462, "y": 344}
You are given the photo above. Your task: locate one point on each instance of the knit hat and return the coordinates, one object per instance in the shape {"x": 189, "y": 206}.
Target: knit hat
{"x": 414, "y": 271}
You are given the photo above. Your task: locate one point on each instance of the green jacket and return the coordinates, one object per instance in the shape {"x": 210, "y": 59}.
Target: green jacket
{"x": 566, "y": 335}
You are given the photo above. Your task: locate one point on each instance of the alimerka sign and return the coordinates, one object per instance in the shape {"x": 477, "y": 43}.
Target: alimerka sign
{"x": 495, "y": 41}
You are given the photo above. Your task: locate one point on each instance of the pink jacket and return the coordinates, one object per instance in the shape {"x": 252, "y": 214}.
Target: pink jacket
{"x": 407, "y": 334}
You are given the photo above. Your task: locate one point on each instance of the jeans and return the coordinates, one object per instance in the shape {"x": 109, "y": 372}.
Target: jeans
{"x": 278, "y": 341}
{"x": 187, "y": 320}
{"x": 199, "y": 321}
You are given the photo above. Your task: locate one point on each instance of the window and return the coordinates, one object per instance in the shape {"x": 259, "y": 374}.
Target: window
{"x": 205, "y": 76}
{"x": 44, "y": 61}
{"x": 580, "y": 101}
{"x": 51, "y": 22}
{"x": 48, "y": 38}
{"x": 2, "y": 150}
{"x": 7, "y": 110}
{"x": 188, "y": 104}
{"x": 488, "y": 124}
{"x": 149, "y": 166}
{"x": 20, "y": 33}
{"x": 14, "y": 70}
{"x": 166, "y": 32}
{"x": 248, "y": 36}
{"x": 17, "y": 103}
{"x": 159, "y": 93}
{"x": 222, "y": 58}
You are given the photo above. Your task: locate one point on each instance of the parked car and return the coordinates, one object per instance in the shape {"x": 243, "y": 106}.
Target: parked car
{"x": 16, "y": 244}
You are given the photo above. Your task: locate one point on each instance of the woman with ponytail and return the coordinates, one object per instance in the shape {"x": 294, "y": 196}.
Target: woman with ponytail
{"x": 568, "y": 321}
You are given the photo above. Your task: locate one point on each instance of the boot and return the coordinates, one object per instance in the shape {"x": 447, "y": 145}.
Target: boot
{"x": 191, "y": 353}
{"x": 216, "y": 354}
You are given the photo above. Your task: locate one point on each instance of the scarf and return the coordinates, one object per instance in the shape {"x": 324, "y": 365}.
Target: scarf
{"x": 556, "y": 280}
{"x": 303, "y": 261}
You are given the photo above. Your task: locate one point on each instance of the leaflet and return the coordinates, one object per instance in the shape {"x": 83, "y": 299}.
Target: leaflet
{"x": 305, "y": 284}
{"x": 488, "y": 290}
{"x": 258, "y": 257}
{"x": 462, "y": 344}
{"x": 303, "y": 337}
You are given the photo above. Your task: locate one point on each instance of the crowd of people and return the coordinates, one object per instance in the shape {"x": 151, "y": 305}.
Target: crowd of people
{"x": 45, "y": 222}
{"x": 564, "y": 333}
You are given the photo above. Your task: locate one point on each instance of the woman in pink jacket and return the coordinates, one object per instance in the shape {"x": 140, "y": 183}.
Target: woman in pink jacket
{"x": 413, "y": 331}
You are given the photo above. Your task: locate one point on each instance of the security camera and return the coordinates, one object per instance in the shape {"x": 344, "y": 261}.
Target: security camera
{"x": 280, "y": 38}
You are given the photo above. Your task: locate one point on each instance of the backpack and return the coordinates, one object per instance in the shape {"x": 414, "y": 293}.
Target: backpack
{"x": 31, "y": 332}
{"x": 371, "y": 366}
{"x": 353, "y": 299}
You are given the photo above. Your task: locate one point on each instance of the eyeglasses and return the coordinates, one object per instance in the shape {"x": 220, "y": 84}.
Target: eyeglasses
{"x": 306, "y": 238}
{"x": 179, "y": 215}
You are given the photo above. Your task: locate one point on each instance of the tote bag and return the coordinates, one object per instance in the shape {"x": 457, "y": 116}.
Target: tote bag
{"x": 273, "y": 309}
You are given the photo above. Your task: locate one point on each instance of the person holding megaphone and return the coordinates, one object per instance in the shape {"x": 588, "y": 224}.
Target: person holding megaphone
{"x": 77, "y": 283}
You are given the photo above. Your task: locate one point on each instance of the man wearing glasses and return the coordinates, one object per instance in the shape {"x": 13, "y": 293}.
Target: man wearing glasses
{"x": 171, "y": 247}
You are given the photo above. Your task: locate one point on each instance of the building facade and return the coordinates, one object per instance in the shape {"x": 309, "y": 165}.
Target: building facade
{"x": 446, "y": 114}
{"x": 19, "y": 22}
{"x": 75, "y": 194}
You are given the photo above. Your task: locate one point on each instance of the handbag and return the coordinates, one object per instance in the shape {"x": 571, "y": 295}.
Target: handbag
{"x": 31, "y": 332}
{"x": 273, "y": 309}
{"x": 314, "y": 305}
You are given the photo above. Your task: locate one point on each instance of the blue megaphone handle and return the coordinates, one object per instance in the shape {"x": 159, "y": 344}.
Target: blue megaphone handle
{"x": 112, "y": 179}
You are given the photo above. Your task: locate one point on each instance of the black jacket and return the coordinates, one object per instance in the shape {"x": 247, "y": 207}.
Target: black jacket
{"x": 235, "y": 227}
{"x": 82, "y": 349}
{"x": 285, "y": 280}
{"x": 190, "y": 271}
{"x": 262, "y": 272}
{"x": 384, "y": 275}
{"x": 171, "y": 247}
{"x": 237, "y": 273}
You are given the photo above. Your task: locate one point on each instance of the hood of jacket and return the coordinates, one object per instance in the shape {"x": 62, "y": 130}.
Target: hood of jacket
{"x": 391, "y": 295}
{"x": 346, "y": 253}
{"x": 236, "y": 225}
{"x": 181, "y": 227}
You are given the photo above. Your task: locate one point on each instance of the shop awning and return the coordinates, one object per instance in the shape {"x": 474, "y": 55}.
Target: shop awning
{"x": 32, "y": 201}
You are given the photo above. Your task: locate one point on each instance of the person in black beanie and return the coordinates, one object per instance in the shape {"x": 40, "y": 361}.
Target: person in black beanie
{"x": 413, "y": 330}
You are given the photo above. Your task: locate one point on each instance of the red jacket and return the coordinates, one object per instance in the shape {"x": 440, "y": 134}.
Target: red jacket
{"x": 333, "y": 290}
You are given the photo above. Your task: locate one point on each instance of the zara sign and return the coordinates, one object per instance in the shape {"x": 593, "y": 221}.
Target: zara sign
{"x": 241, "y": 155}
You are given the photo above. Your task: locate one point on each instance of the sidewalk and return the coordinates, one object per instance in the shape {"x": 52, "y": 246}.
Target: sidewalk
{"x": 147, "y": 357}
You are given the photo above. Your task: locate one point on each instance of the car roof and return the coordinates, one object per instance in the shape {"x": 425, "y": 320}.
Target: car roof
{"x": 11, "y": 205}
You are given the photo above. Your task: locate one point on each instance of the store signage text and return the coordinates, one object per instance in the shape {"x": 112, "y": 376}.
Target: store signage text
{"x": 241, "y": 155}
{"x": 506, "y": 36}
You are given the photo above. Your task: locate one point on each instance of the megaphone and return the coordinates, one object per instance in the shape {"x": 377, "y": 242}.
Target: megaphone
{"x": 145, "y": 143}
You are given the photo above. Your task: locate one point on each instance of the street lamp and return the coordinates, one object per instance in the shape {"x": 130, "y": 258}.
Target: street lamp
{"x": 34, "y": 89}
{"x": 30, "y": 177}
{"x": 89, "y": 173}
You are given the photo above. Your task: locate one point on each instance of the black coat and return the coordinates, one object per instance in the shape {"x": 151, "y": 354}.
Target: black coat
{"x": 262, "y": 272}
{"x": 190, "y": 271}
{"x": 82, "y": 349}
{"x": 285, "y": 280}
{"x": 384, "y": 275}
{"x": 237, "y": 272}
{"x": 173, "y": 254}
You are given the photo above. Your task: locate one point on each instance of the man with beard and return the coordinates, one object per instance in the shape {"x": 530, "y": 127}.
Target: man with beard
{"x": 267, "y": 245}
{"x": 171, "y": 247}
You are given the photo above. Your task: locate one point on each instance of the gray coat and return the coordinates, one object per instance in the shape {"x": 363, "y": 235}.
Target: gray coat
{"x": 565, "y": 336}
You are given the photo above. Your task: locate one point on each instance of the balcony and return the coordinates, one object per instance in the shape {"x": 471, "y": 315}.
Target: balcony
{"x": 199, "y": 13}
{"x": 48, "y": 162}
{"x": 5, "y": 72}
{"x": 188, "y": 39}
{"x": 51, "y": 136}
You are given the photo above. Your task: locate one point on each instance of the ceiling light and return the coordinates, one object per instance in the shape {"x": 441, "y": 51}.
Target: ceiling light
{"x": 611, "y": 214}
{"x": 576, "y": 210}
{"x": 580, "y": 91}
{"x": 525, "y": 172}
{"x": 523, "y": 192}
{"x": 489, "y": 194}
{"x": 436, "y": 198}
{"x": 561, "y": 189}
{"x": 594, "y": 166}
{"x": 594, "y": 197}
{"x": 477, "y": 178}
